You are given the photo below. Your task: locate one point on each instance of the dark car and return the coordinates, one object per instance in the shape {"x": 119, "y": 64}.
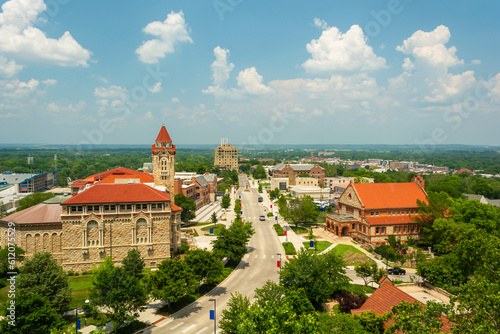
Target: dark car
{"x": 396, "y": 271}
{"x": 262, "y": 217}
{"x": 261, "y": 199}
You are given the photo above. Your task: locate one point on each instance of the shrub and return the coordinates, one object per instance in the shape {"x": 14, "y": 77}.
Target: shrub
{"x": 350, "y": 300}
{"x": 270, "y": 214}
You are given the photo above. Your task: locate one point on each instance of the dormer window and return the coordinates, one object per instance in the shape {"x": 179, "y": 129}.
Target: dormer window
{"x": 157, "y": 144}
{"x": 168, "y": 144}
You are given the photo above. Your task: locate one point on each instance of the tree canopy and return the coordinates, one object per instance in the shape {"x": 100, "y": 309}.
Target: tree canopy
{"x": 231, "y": 242}
{"x": 188, "y": 207}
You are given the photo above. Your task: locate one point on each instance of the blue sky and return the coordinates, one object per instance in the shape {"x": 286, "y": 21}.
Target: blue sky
{"x": 256, "y": 72}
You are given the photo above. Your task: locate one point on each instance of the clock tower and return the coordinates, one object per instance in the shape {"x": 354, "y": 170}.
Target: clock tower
{"x": 163, "y": 153}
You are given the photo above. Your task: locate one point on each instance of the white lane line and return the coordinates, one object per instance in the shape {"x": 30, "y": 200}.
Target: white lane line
{"x": 256, "y": 256}
{"x": 166, "y": 323}
{"x": 264, "y": 256}
{"x": 201, "y": 330}
{"x": 184, "y": 331}
{"x": 272, "y": 256}
{"x": 178, "y": 325}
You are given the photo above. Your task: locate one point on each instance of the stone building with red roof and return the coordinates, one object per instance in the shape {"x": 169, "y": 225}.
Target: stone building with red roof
{"x": 370, "y": 212}
{"x": 109, "y": 214}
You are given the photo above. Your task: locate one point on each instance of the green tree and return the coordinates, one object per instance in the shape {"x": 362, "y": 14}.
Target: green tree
{"x": 32, "y": 200}
{"x": 237, "y": 207}
{"x": 415, "y": 318}
{"x": 173, "y": 280}
{"x": 260, "y": 188}
{"x": 33, "y": 314}
{"x": 188, "y": 207}
{"x": 231, "y": 242}
{"x": 5, "y": 262}
{"x": 373, "y": 323}
{"x": 43, "y": 276}
{"x": 259, "y": 172}
{"x": 121, "y": 294}
{"x": 236, "y": 309}
{"x": 301, "y": 210}
{"x": 226, "y": 201}
{"x": 369, "y": 272}
{"x": 223, "y": 187}
{"x": 319, "y": 275}
{"x": 133, "y": 264}
{"x": 207, "y": 268}
{"x": 213, "y": 218}
{"x": 340, "y": 323}
{"x": 436, "y": 207}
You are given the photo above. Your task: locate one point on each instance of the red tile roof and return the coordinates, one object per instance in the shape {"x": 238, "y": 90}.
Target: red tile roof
{"x": 117, "y": 172}
{"x": 175, "y": 207}
{"x": 163, "y": 135}
{"x": 385, "y": 297}
{"x": 119, "y": 193}
{"x": 389, "y": 220}
{"x": 389, "y": 195}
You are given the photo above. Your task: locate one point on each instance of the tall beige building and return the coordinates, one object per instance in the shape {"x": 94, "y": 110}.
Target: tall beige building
{"x": 226, "y": 156}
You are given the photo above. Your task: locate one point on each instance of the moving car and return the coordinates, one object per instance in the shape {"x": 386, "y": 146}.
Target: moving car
{"x": 396, "y": 271}
{"x": 261, "y": 199}
{"x": 262, "y": 217}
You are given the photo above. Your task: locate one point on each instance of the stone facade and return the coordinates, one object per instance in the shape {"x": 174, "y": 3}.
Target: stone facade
{"x": 89, "y": 237}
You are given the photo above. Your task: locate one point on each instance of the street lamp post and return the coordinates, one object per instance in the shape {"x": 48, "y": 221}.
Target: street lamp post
{"x": 85, "y": 315}
{"x": 279, "y": 264}
{"x": 215, "y": 312}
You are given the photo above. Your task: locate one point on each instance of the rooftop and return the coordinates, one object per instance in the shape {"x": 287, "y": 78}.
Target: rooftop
{"x": 389, "y": 195}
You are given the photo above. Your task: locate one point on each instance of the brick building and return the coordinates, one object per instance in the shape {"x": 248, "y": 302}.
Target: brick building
{"x": 284, "y": 170}
{"x": 370, "y": 212}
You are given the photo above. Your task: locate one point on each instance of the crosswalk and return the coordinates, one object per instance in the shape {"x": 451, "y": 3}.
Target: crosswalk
{"x": 182, "y": 327}
{"x": 263, "y": 257}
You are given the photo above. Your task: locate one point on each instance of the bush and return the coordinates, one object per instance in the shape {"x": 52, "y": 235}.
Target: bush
{"x": 270, "y": 214}
{"x": 350, "y": 300}
{"x": 289, "y": 248}
{"x": 183, "y": 248}
{"x": 278, "y": 229}
{"x": 73, "y": 273}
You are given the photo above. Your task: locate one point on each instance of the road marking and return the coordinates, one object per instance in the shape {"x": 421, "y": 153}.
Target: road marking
{"x": 166, "y": 323}
{"x": 184, "y": 331}
{"x": 201, "y": 330}
{"x": 178, "y": 325}
{"x": 264, "y": 256}
{"x": 256, "y": 256}
{"x": 272, "y": 256}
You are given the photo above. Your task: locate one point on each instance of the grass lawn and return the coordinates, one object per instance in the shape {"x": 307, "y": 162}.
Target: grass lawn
{"x": 201, "y": 224}
{"x": 358, "y": 288}
{"x": 217, "y": 229}
{"x": 320, "y": 246}
{"x": 351, "y": 255}
{"x": 289, "y": 248}
{"x": 80, "y": 286}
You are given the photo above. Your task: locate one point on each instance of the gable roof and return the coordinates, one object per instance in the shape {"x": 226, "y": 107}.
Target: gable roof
{"x": 389, "y": 195}
{"x": 118, "y": 172}
{"x": 163, "y": 135}
{"x": 119, "y": 193}
{"x": 144, "y": 178}
{"x": 201, "y": 181}
{"x": 385, "y": 297}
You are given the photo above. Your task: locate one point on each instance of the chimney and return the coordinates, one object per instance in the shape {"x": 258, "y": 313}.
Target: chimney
{"x": 419, "y": 180}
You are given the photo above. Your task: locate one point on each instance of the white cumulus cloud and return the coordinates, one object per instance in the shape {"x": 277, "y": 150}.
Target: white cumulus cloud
{"x": 169, "y": 32}
{"x": 251, "y": 82}
{"x": 337, "y": 51}
{"x": 20, "y": 40}
{"x": 9, "y": 68}
{"x": 220, "y": 67}
{"x": 430, "y": 47}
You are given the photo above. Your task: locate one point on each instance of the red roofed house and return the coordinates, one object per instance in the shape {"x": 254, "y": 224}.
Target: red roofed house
{"x": 111, "y": 176}
{"x": 370, "y": 212}
{"x": 385, "y": 297}
{"x": 109, "y": 219}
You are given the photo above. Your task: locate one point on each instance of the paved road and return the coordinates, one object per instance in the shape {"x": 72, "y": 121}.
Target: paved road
{"x": 256, "y": 268}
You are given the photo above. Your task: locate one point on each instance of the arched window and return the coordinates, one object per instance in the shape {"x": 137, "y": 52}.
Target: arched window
{"x": 92, "y": 233}
{"x": 141, "y": 231}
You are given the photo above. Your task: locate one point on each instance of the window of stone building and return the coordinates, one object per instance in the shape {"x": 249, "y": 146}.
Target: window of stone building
{"x": 382, "y": 230}
{"x": 377, "y": 230}
{"x": 404, "y": 229}
{"x": 354, "y": 226}
{"x": 92, "y": 234}
{"x": 371, "y": 213}
{"x": 376, "y": 213}
{"x": 407, "y": 212}
{"x": 399, "y": 229}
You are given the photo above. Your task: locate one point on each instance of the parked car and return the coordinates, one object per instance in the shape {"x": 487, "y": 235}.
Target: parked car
{"x": 261, "y": 199}
{"x": 396, "y": 271}
{"x": 262, "y": 217}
